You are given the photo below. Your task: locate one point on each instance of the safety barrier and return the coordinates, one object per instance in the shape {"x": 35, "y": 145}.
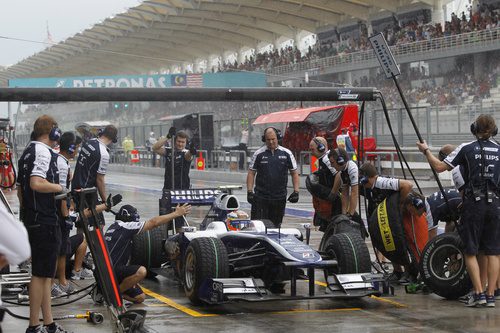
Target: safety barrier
{"x": 386, "y": 162}
{"x": 233, "y": 160}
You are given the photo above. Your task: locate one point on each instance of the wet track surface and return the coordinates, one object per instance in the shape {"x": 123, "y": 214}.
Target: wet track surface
{"x": 170, "y": 311}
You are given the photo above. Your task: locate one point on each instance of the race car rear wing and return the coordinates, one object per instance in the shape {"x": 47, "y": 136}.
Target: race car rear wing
{"x": 194, "y": 197}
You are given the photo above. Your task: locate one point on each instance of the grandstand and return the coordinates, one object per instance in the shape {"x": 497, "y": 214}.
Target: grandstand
{"x": 449, "y": 67}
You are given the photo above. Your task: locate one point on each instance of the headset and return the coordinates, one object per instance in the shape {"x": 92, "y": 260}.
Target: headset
{"x": 321, "y": 147}
{"x": 101, "y": 133}
{"x": 416, "y": 201}
{"x": 71, "y": 148}
{"x": 55, "y": 133}
{"x": 363, "y": 180}
{"x": 340, "y": 159}
{"x": 474, "y": 128}
{"x": 277, "y": 131}
{"x": 442, "y": 156}
{"x": 128, "y": 213}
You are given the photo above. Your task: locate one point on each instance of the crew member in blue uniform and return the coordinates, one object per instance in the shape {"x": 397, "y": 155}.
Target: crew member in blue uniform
{"x": 268, "y": 171}
{"x": 67, "y": 149}
{"x": 480, "y": 215}
{"x": 376, "y": 188}
{"x": 38, "y": 180}
{"x": 348, "y": 175}
{"x": 92, "y": 163}
{"x": 437, "y": 209}
{"x": 183, "y": 156}
{"x": 119, "y": 241}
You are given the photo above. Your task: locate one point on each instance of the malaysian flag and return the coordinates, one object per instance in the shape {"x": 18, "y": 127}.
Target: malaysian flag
{"x": 194, "y": 80}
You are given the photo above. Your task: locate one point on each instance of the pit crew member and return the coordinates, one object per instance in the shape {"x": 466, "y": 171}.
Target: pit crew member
{"x": 119, "y": 241}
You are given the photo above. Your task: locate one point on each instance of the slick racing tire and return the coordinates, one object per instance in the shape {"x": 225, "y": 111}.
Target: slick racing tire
{"x": 442, "y": 266}
{"x": 350, "y": 251}
{"x": 340, "y": 224}
{"x": 205, "y": 257}
{"x": 147, "y": 249}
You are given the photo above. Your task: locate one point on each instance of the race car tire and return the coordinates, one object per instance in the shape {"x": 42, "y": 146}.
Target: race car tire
{"x": 442, "y": 266}
{"x": 340, "y": 224}
{"x": 205, "y": 257}
{"x": 147, "y": 249}
{"x": 386, "y": 229}
{"x": 350, "y": 251}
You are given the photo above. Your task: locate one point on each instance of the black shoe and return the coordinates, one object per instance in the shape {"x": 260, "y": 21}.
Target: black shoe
{"x": 37, "y": 329}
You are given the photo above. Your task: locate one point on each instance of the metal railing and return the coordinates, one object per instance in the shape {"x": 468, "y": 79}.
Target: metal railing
{"x": 233, "y": 160}
{"x": 471, "y": 39}
{"x": 438, "y": 125}
{"x": 386, "y": 162}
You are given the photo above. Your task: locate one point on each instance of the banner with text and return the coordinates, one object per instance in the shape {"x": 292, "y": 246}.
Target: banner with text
{"x": 209, "y": 80}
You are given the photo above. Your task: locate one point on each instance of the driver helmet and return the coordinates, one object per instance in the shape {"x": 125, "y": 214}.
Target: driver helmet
{"x": 237, "y": 220}
{"x": 127, "y": 213}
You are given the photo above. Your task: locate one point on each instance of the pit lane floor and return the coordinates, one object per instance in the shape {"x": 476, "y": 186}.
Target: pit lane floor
{"x": 169, "y": 311}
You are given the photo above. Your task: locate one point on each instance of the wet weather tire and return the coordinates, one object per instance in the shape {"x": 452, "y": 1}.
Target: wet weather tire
{"x": 205, "y": 258}
{"x": 147, "y": 249}
{"x": 350, "y": 251}
{"x": 338, "y": 225}
{"x": 442, "y": 266}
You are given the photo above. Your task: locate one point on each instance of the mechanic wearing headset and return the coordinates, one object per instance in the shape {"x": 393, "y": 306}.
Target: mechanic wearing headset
{"x": 182, "y": 159}
{"x": 268, "y": 172}
{"x": 324, "y": 206}
{"x": 119, "y": 241}
{"x": 348, "y": 176}
{"x": 438, "y": 210}
{"x": 375, "y": 189}
{"x": 319, "y": 149}
{"x": 436, "y": 207}
{"x": 480, "y": 215}
{"x": 66, "y": 152}
{"x": 92, "y": 163}
{"x": 458, "y": 181}
{"x": 38, "y": 181}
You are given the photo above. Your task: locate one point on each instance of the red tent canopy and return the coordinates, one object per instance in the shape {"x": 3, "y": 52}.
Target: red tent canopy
{"x": 289, "y": 116}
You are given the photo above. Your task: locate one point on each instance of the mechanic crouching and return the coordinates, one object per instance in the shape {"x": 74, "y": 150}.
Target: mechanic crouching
{"x": 480, "y": 215}
{"x": 119, "y": 241}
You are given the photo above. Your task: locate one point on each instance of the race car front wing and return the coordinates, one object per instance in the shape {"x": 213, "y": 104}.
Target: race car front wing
{"x": 340, "y": 286}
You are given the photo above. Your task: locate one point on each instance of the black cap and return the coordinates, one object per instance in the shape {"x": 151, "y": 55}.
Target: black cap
{"x": 126, "y": 213}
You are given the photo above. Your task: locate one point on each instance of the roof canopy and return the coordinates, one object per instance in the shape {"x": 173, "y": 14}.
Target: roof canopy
{"x": 160, "y": 33}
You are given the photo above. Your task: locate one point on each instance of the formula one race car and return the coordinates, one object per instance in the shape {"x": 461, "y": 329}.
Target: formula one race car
{"x": 237, "y": 259}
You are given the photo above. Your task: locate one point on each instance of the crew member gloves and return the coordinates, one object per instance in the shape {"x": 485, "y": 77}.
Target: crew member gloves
{"x": 112, "y": 201}
{"x": 294, "y": 197}
{"x": 250, "y": 197}
{"x": 331, "y": 196}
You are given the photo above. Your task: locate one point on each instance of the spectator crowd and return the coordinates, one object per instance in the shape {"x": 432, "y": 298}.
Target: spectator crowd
{"x": 422, "y": 87}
